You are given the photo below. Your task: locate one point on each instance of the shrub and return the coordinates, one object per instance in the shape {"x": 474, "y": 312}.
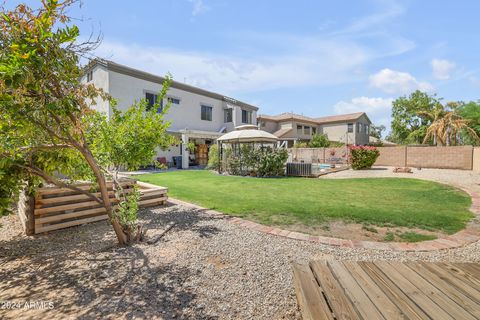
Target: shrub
{"x": 300, "y": 144}
{"x": 213, "y": 157}
{"x": 272, "y": 163}
{"x": 319, "y": 141}
{"x": 363, "y": 157}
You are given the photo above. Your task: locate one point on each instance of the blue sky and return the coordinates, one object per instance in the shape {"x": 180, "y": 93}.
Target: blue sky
{"x": 311, "y": 57}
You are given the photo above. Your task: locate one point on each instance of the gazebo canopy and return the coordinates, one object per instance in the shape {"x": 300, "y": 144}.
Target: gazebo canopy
{"x": 247, "y": 134}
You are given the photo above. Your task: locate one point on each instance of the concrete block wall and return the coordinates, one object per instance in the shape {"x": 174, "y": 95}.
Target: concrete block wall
{"x": 392, "y": 156}
{"x": 476, "y": 159}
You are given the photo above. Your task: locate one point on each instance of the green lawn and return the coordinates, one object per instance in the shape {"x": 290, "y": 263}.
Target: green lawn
{"x": 283, "y": 201}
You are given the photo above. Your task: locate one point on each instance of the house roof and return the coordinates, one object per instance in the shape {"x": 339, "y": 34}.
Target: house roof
{"x": 116, "y": 67}
{"x": 320, "y": 120}
{"x": 280, "y": 133}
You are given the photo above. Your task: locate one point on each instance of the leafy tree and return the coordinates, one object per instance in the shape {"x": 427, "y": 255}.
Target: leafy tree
{"x": 471, "y": 112}
{"x": 319, "y": 141}
{"x": 376, "y": 131}
{"x": 45, "y": 119}
{"x": 409, "y": 120}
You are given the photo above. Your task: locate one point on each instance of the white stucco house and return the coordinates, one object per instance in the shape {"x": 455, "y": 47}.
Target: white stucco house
{"x": 197, "y": 115}
{"x": 352, "y": 128}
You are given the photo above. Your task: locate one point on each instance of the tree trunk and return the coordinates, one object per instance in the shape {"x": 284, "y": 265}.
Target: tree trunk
{"x": 121, "y": 236}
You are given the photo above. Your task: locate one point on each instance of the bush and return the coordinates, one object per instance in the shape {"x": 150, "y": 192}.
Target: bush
{"x": 319, "y": 141}
{"x": 213, "y": 157}
{"x": 272, "y": 163}
{"x": 363, "y": 157}
{"x": 300, "y": 144}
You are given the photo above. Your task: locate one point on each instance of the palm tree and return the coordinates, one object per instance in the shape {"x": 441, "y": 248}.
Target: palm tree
{"x": 446, "y": 129}
{"x": 434, "y": 116}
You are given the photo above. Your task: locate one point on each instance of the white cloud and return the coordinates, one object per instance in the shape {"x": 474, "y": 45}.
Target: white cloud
{"x": 199, "y": 7}
{"x": 327, "y": 62}
{"x": 365, "y": 104}
{"x": 396, "y": 82}
{"x": 442, "y": 69}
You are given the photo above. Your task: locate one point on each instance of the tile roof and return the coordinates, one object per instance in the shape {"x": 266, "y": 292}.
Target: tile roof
{"x": 319, "y": 120}
{"x": 280, "y": 133}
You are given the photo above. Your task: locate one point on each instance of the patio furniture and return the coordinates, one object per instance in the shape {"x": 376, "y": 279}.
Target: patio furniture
{"x": 387, "y": 290}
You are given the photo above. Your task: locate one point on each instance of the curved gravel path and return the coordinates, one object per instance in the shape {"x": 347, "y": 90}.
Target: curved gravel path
{"x": 204, "y": 268}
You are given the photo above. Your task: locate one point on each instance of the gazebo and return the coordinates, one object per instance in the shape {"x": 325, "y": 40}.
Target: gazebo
{"x": 244, "y": 135}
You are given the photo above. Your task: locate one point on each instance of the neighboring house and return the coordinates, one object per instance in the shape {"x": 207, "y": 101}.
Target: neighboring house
{"x": 289, "y": 127}
{"x": 196, "y": 115}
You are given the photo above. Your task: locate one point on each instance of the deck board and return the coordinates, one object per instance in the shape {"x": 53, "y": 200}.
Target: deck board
{"x": 388, "y": 290}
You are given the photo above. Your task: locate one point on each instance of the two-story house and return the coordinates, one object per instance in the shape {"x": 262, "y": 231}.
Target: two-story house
{"x": 289, "y": 127}
{"x": 196, "y": 115}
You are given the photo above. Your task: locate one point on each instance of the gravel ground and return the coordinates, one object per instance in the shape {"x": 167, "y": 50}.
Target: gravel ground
{"x": 204, "y": 268}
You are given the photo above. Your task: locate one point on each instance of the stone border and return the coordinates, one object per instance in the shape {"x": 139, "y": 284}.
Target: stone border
{"x": 468, "y": 235}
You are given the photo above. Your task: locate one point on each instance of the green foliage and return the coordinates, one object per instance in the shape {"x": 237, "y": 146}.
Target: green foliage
{"x": 389, "y": 237}
{"x": 409, "y": 122}
{"x": 129, "y": 139}
{"x": 377, "y": 131}
{"x": 470, "y": 111}
{"x": 300, "y": 144}
{"x": 319, "y": 141}
{"x": 128, "y": 208}
{"x": 363, "y": 157}
{"x": 272, "y": 163}
{"x": 411, "y": 236}
{"x": 213, "y": 161}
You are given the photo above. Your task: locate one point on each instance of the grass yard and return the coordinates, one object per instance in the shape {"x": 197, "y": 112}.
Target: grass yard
{"x": 390, "y": 202}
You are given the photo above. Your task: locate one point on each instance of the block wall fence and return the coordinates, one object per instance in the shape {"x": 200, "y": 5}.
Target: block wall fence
{"x": 453, "y": 157}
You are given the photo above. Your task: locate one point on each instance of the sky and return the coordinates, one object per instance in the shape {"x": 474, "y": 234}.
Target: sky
{"x": 314, "y": 58}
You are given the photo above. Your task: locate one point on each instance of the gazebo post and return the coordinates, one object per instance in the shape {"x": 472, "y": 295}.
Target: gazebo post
{"x": 219, "y": 151}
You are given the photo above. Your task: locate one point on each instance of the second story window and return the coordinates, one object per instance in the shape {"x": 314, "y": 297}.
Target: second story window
{"x": 173, "y": 100}
{"x": 306, "y": 130}
{"x": 314, "y": 130}
{"x": 359, "y": 127}
{"x": 246, "y": 116}
{"x": 89, "y": 76}
{"x": 365, "y": 127}
{"x": 299, "y": 129}
{"x": 152, "y": 99}
{"x": 350, "y": 127}
{"x": 206, "y": 113}
{"x": 228, "y": 115}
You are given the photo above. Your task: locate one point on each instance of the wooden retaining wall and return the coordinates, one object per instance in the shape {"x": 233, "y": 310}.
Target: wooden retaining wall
{"x": 55, "y": 208}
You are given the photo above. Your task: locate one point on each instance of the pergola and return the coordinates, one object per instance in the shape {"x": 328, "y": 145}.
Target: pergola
{"x": 247, "y": 134}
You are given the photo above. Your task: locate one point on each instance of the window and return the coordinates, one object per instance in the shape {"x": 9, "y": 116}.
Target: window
{"x": 306, "y": 130}
{"x": 299, "y": 129}
{"x": 359, "y": 127}
{"x": 366, "y": 128}
{"x": 152, "y": 99}
{"x": 246, "y": 116}
{"x": 89, "y": 76}
{"x": 314, "y": 130}
{"x": 350, "y": 127}
{"x": 173, "y": 100}
{"x": 206, "y": 113}
{"x": 228, "y": 115}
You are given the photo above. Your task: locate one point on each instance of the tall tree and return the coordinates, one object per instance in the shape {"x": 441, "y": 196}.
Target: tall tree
{"x": 377, "y": 131}
{"x": 470, "y": 111}
{"x": 408, "y": 125}
{"x": 44, "y": 110}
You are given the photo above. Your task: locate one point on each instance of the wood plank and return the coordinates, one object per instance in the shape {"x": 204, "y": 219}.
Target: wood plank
{"x": 397, "y": 296}
{"x": 151, "y": 202}
{"x": 472, "y": 268}
{"x": 454, "y": 280}
{"x": 72, "y": 206}
{"x": 309, "y": 297}
{"x": 64, "y": 216}
{"x": 466, "y": 276}
{"x": 363, "y": 305}
{"x": 451, "y": 291}
{"x": 76, "y": 197}
{"x": 388, "y": 309}
{"x": 82, "y": 186}
{"x": 341, "y": 306}
{"x": 440, "y": 298}
{"x": 70, "y": 224}
{"x": 159, "y": 189}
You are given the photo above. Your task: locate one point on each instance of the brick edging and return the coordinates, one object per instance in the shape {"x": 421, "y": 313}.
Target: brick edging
{"x": 468, "y": 235}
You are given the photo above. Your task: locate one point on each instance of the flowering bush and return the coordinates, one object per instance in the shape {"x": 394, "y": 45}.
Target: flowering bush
{"x": 363, "y": 157}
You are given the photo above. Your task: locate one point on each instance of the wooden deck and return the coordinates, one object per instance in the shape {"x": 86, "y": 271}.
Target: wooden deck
{"x": 388, "y": 290}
